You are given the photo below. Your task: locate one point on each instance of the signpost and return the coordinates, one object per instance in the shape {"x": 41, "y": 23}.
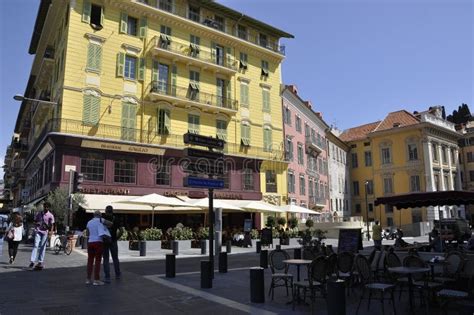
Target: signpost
{"x": 209, "y": 160}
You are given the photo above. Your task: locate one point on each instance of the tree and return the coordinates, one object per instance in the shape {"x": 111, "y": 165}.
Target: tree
{"x": 59, "y": 200}
{"x": 281, "y": 221}
{"x": 270, "y": 222}
{"x": 460, "y": 116}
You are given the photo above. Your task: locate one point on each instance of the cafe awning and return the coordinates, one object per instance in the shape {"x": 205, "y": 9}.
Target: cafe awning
{"x": 425, "y": 199}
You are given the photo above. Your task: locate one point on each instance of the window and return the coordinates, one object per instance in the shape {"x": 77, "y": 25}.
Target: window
{"x": 92, "y": 14}
{"x": 287, "y": 116}
{"x": 247, "y": 177}
{"x": 443, "y": 155}
{"x": 357, "y": 208}
{"x": 388, "y": 208}
{"x": 470, "y": 157}
{"x": 243, "y": 61}
{"x": 436, "y": 181}
{"x": 193, "y": 124}
{"x": 302, "y": 185}
{"x": 386, "y": 158}
{"x": 244, "y": 94}
{"x": 91, "y": 109}
{"x": 446, "y": 182}
{"x": 219, "y": 50}
{"x": 368, "y": 158}
{"x": 161, "y": 75}
{"x": 270, "y": 181}
{"x": 355, "y": 163}
{"x": 289, "y": 149}
{"x": 92, "y": 167}
{"x": 452, "y": 156}
{"x": 220, "y": 92}
{"x": 194, "y": 14}
{"x": 370, "y": 187}
{"x": 306, "y": 130}
{"x": 219, "y": 23}
{"x": 435, "y": 152}
{"x": 389, "y": 221}
{"x": 300, "y": 154}
{"x": 193, "y": 85}
{"x": 195, "y": 42}
{"x": 415, "y": 183}
{"x": 164, "y": 121}
{"x": 355, "y": 186}
{"x": 94, "y": 57}
{"x": 471, "y": 176}
{"x": 262, "y": 40}
{"x": 129, "y": 116}
{"x": 166, "y": 5}
{"x": 242, "y": 32}
{"x": 412, "y": 152}
{"x": 387, "y": 185}
{"x": 163, "y": 171}
{"x": 298, "y": 124}
{"x": 132, "y": 26}
{"x": 267, "y": 139}
{"x": 265, "y": 68}
{"x": 221, "y": 128}
{"x": 266, "y": 100}
{"x": 371, "y": 207}
{"x": 245, "y": 134}
{"x": 291, "y": 182}
{"x": 130, "y": 69}
{"x": 124, "y": 170}
{"x": 165, "y": 37}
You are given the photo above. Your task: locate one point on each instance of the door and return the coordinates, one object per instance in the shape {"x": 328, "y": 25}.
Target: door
{"x": 163, "y": 74}
{"x": 219, "y": 55}
{"x": 220, "y": 92}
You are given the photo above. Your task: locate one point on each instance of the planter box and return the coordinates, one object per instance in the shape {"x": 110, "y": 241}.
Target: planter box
{"x": 294, "y": 242}
{"x": 184, "y": 245}
{"x": 153, "y": 245}
{"x": 254, "y": 243}
{"x": 122, "y": 246}
{"x": 276, "y": 241}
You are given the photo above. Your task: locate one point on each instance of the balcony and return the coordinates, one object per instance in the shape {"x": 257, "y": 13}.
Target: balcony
{"x": 46, "y": 69}
{"x": 229, "y": 28}
{"x": 147, "y": 136}
{"x": 313, "y": 146}
{"x": 191, "y": 54}
{"x": 191, "y": 95}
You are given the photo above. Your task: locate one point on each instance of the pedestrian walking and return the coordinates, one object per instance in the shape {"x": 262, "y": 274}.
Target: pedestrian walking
{"x": 111, "y": 248}
{"x": 14, "y": 235}
{"x": 96, "y": 231}
{"x": 44, "y": 222}
{"x": 377, "y": 235}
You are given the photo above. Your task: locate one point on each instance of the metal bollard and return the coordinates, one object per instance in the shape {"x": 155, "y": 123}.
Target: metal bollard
{"x": 170, "y": 265}
{"x": 278, "y": 247}
{"x": 206, "y": 277}
{"x": 336, "y": 297}
{"x": 203, "y": 247}
{"x": 264, "y": 259}
{"x": 258, "y": 246}
{"x": 257, "y": 285}
{"x": 85, "y": 239}
{"x": 175, "y": 247}
{"x": 297, "y": 253}
{"x": 228, "y": 247}
{"x": 223, "y": 262}
{"x": 142, "y": 248}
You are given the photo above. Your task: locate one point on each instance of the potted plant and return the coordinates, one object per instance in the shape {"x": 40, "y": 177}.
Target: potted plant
{"x": 255, "y": 236}
{"x": 202, "y": 233}
{"x": 183, "y": 235}
{"x": 153, "y": 238}
{"x": 293, "y": 231}
{"x": 122, "y": 241}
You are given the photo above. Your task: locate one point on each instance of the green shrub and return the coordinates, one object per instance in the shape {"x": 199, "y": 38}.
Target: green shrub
{"x": 309, "y": 223}
{"x": 254, "y": 234}
{"x": 281, "y": 221}
{"x": 275, "y": 233}
{"x": 202, "y": 233}
{"x": 124, "y": 235}
{"x": 293, "y": 233}
{"x": 181, "y": 233}
{"x": 293, "y": 222}
{"x": 152, "y": 234}
{"x": 270, "y": 222}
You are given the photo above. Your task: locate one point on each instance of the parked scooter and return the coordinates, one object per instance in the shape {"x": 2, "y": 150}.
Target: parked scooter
{"x": 389, "y": 235}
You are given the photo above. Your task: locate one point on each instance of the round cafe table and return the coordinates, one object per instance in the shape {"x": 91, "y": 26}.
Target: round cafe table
{"x": 409, "y": 271}
{"x": 298, "y": 263}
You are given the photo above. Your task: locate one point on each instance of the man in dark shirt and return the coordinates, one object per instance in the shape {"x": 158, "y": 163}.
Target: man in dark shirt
{"x": 111, "y": 247}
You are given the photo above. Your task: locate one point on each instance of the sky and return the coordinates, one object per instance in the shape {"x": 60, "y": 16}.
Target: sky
{"x": 355, "y": 60}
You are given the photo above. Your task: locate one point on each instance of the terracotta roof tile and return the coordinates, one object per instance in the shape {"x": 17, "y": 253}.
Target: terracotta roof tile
{"x": 359, "y": 132}
{"x": 397, "y": 119}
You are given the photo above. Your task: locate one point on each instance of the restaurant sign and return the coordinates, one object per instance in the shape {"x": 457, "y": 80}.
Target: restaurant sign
{"x": 121, "y": 147}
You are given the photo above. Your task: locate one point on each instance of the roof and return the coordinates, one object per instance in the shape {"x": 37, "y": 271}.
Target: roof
{"x": 38, "y": 29}
{"x": 397, "y": 119}
{"x": 358, "y": 133}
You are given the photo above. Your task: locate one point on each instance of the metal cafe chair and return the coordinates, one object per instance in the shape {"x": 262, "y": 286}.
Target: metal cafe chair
{"x": 317, "y": 275}
{"x": 345, "y": 268}
{"x": 453, "y": 267}
{"x": 421, "y": 281}
{"x": 280, "y": 275}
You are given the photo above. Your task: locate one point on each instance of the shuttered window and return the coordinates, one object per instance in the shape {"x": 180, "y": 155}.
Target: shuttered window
{"x": 94, "y": 57}
{"x": 267, "y": 140}
{"x": 91, "y": 110}
{"x": 266, "y": 100}
{"x": 245, "y": 134}
{"x": 193, "y": 124}
{"x": 164, "y": 122}
{"x": 129, "y": 116}
{"x": 244, "y": 94}
{"x": 221, "y": 129}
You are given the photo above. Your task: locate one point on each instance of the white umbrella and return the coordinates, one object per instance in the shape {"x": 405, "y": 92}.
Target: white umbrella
{"x": 259, "y": 206}
{"x": 298, "y": 209}
{"x": 217, "y": 203}
{"x": 154, "y": 201}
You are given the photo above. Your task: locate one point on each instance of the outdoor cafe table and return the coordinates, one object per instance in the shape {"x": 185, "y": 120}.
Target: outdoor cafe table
{"x": 436, "y": 262}
{"x": 298, "y": 263}
{"x": 409, "y": 271}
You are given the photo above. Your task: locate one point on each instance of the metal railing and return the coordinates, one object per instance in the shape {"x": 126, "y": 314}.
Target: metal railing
{"x": 148, "y": 135}
{"x": 229, "y": 27}
{"x": 196, "y": 53}
{"x": 193, "y": 94}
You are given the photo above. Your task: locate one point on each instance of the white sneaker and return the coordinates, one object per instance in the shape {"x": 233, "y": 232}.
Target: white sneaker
{"x": 88, "y": 281}
{"x": 98, "y": 282}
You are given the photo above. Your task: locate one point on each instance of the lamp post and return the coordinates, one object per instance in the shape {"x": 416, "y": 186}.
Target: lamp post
{"x": 20, "y": 98}
{"x": 367, "y": 208}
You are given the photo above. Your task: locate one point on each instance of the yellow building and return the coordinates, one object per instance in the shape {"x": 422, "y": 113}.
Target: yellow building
{"x": 402, "y": 153}
{"x": 130, "y": 77}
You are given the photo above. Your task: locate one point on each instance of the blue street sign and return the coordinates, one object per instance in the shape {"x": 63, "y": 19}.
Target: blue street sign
{"x": 196, "y": 182}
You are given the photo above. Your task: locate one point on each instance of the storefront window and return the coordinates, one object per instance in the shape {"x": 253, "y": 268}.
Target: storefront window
{"x": 92, "y": 166}
{"x": 124, "y": 170}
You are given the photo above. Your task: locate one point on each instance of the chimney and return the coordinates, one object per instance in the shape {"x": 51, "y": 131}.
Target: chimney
{"x": 293, "y": 88}
{"x": 319, "y": 114}
{"x": 308, "y": 104}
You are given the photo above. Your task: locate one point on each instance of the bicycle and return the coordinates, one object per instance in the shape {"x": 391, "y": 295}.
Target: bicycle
{"x": 63, "y": 243}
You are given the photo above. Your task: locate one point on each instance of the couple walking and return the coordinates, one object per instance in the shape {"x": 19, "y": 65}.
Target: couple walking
{"x": 102, "y": 242}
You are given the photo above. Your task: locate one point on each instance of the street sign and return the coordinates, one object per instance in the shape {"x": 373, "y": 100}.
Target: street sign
{"x": 210, "y": 142}
{"x": 204, "y": 168}
{"x": 196, "y": 182}
{"x": 202, "y": 154}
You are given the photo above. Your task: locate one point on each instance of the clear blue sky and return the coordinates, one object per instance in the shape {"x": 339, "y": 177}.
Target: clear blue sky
{"x": 355, "y": 60}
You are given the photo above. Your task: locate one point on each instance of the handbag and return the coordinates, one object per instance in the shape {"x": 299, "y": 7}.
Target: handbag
{"x": 10, "y": 235}
{"x": 104, "y": 233}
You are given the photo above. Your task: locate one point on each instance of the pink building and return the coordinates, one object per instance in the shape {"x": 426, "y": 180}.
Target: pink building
{"x": 305, "y": 146}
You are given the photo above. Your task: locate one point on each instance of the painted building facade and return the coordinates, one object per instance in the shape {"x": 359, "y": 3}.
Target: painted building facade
{"x": 306, "y": 152}
{"x": 130, "y": 77}
{"x": 467, "y": 162}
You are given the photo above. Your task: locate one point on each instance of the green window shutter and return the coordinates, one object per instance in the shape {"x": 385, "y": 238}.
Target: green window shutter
{"x": 173, "y": 80}
{"x": 244, "y": 94}
{"x": 228, "y": 102}
{"x": 91, "y": 56}
{"x": 154, "y": 72}
{"x": 245, "y": 134}
{"x": 132, "y": 116}
{"x": 213, "y": 51}
{"x": 167, "y": 122}
{"x": 143, "y": 27}
{"x": 97, "y": 58}
{"x": 125, "y": 114}
{"x": 228, "y": 56}
{"x": 266, "y": 100}
{"x": 141, "y": 69}
{"x": 86, "y": 11}
{"x": 221, "y": 129}
{"x": 86, "y": 109}
{"x": 95, "y": 110}
{"x": 123, "y": 22}
{"x": 120, "y": 64}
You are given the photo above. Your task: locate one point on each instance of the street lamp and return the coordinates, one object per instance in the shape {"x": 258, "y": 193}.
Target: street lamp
{"x": 19, "y": 97}
{"x": 367, "y": 208}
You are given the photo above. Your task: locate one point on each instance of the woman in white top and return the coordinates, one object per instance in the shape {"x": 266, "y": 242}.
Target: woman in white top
{"x": 16, "y": 228}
